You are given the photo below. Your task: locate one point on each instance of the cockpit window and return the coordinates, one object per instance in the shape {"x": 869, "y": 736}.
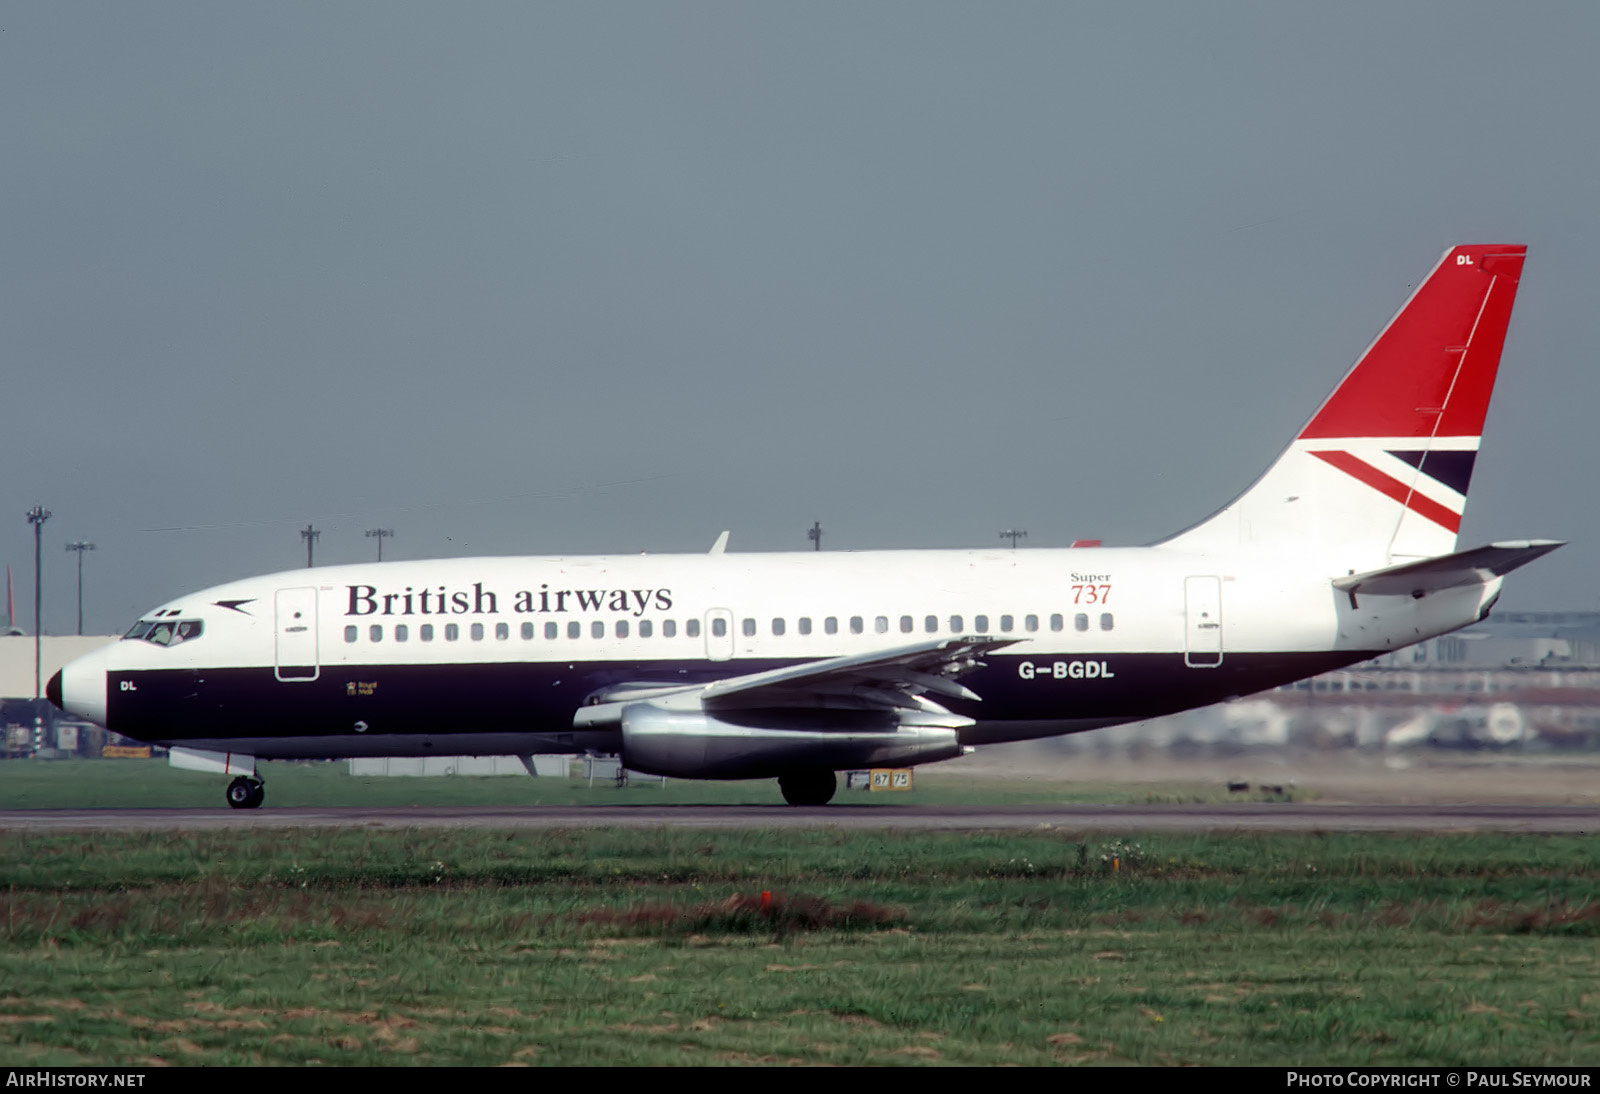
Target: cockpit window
{"x": 165, "y": 632}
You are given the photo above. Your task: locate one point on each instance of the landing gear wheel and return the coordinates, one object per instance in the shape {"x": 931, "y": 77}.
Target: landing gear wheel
{"x": 246, "y": 793}
{"x": 808, "y": 787}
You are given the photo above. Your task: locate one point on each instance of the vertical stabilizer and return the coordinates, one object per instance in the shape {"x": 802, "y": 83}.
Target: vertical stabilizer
{"x": 1380, "y": 473}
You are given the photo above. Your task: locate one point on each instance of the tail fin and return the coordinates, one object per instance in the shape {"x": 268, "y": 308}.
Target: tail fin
{"x": 1380, "y": 474}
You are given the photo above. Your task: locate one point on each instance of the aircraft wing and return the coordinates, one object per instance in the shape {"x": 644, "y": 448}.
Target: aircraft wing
{"x": 1474, "y": 567}
{"x": 896, "y": 679}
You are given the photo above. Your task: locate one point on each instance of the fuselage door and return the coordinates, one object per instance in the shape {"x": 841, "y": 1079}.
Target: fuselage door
{"x": 719, "y": 634}
{"x": 296, "y": 641}
{"x": 1202, "y": 598}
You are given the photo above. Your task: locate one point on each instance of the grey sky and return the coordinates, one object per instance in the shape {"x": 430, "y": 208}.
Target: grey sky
{"x": 570, "y": 278}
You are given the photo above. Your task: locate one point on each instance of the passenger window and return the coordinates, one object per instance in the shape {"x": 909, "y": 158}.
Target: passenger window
{"x": 552, "y": 630}
{"x": 1031, "y": 622}
{"x": 1106, "y": 622}
{"x": 830, "y": 625}
{"x": 401, "y": 632}
{"x": 805, "y": 624}
{"x": 502, "y": 631}
{"x": 1006, "y": 623}
{"x": 881, "y": 624}
{"x": 856, "y": 626}
{"x": 375, "y": 632}
{"x": 451, "y": 632}
{"x": 477, "y": 632}
{"x": 719, "y": 627}
{"x": 527, "y": 632}
{"x": 980, "y": 623}
{"x": 425, "y": 632}
{"x": 645, "y": 628}
{"x": 597, "y": 629}
{"x": 1057, "y": 622}
{"x": 749, "y": 628}
{"x": 931, "y": 624}
{"x": 1080, "y": 621}
{"x": 906, "y": 624}
{"x": 622, "y": 628}
{"x": 691, "y": 628}
{"x": 957, "y": 624}
{"x": 574, "y": 629}
{"x": 669, "y": 628}
{"x": 350, "y": 633}
{"x": 777, "y": 625}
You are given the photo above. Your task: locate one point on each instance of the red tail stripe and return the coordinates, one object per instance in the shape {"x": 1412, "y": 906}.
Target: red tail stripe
{"x": 1393, "y": 488}
{"x": 1431, "y": 371}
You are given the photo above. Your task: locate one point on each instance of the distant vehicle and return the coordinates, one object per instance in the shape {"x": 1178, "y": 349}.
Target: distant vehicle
{"x": 796, "y": 666}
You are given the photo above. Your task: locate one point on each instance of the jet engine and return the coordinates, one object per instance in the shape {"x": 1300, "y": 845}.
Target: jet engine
{"x": 754, "y": 744}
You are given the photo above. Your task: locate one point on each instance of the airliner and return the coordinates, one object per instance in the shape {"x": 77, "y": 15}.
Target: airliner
{"x": 796, "y": 666}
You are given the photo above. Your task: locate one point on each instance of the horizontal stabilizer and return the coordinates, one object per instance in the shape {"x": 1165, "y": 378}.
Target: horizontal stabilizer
{"x": 1474, "y": 567}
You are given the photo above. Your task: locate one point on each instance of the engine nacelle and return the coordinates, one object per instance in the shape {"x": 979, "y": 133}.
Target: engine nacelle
{"x": 753, "y": 744}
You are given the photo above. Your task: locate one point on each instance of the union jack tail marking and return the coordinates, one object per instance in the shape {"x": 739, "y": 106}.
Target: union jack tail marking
{"x": 1381, "y": 471}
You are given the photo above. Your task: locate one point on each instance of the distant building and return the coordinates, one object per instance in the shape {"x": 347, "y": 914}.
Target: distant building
{"x": 1508, "y": 639}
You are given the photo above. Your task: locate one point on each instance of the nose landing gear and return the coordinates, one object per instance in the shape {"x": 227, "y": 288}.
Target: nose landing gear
{"x": 245, "y": 793}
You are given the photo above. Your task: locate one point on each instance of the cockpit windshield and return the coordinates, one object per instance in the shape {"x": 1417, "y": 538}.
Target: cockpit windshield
{"x": 165, "y": 632}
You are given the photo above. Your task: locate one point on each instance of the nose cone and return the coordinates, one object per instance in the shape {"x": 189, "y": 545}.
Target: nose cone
{"x": 80, "y": 687}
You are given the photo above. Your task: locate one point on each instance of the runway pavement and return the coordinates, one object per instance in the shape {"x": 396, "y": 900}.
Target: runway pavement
{"x": 1253, "y": 817}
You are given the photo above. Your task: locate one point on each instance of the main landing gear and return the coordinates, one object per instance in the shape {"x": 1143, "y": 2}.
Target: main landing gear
{"x": 808, "y": 787}
{"x": 246, "y": 793}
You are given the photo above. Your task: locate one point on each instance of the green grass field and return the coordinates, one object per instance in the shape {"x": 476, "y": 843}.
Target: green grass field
{"x": 473, "y": 947}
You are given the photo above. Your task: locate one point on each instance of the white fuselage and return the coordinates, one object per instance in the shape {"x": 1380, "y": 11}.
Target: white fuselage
{"x": 327, "y": 661}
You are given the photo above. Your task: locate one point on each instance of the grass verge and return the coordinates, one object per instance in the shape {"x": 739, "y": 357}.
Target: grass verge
{"x": 371, "y": 947}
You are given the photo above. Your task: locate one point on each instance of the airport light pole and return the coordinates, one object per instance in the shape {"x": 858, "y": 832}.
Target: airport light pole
{"x": 814, "y": 534}
{"x": 309, "y": 534}
{"x": 36, "y": 517}
{"x": 1013, "y": 535}
{"x": 80, "y": 546}
{"x": 380, "y": 534}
